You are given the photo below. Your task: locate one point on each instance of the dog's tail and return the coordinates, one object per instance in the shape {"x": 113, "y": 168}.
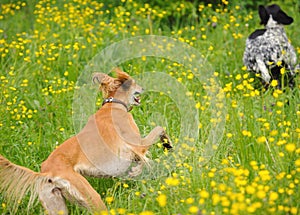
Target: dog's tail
{"x": 17, "y": 181}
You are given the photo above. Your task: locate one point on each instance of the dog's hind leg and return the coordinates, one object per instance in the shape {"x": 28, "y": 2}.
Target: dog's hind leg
{"x": 77, "y": 189}
{"x": 52, "y": 199}
{"x": 264, "y": 70}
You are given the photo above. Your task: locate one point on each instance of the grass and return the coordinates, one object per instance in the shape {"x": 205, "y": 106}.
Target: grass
{"x": 236, "y": 146}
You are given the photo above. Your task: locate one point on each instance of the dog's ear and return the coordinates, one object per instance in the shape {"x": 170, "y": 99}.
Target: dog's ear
{"x": 106, "y": 83}
{"x": 101, "y": 78}
{"x": 279, "y": 15}
{"x": 124, "y": 78}
{"x": 263, "y": 14}
{"x": 121, "y": 75}
{"x": 282, "y": 18}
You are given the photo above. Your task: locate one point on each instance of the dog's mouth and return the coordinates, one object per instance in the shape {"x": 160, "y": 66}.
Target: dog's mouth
{"x": 137, "y": 98}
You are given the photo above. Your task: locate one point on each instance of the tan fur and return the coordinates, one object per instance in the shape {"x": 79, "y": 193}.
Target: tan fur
{"x": 17, "y": 181}
{"x": 106, "y": 147}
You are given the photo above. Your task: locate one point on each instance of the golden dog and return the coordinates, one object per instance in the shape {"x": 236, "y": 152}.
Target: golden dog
{"x": 109, "y": 145}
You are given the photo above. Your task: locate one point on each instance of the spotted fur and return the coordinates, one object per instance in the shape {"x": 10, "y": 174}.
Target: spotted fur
{"x": 268, "y": 50}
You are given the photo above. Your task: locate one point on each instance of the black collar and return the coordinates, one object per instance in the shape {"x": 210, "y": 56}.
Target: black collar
{"x": 113, "y": 100}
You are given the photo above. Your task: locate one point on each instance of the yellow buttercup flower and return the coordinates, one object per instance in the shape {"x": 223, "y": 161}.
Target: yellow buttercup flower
{"x": 274, "y": 83}
{"x": 193, "y": 209}
{"x": 291, "y": 147}
{"x": 162, "y": 200}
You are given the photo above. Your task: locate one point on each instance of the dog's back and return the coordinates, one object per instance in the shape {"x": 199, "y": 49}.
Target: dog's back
{"x": 268, "y": 50}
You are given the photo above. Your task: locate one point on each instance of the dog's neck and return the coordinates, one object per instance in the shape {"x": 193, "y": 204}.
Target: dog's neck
{"x": 113, "y": 100}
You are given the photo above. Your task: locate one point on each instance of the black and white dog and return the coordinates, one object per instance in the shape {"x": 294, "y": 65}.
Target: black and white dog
{"x": 268, "y": 50}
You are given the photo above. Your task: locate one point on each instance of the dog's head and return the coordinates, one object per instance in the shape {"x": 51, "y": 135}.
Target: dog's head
{"x": 277, "y": 14}
{"x": 123, "y": 87}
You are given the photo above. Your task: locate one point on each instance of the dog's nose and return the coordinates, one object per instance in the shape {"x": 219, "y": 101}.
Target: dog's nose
{"x": 141, "y": 90}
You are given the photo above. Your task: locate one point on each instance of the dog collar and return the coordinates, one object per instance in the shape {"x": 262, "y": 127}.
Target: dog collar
{"x": 113, "y": 100}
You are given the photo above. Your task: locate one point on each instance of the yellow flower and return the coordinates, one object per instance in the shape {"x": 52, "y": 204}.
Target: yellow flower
{"x": 193, "y": 209}
{"x": 190, "y": 200}
{"x": 198, "y": 105}
{"x": 275, "y": 94}
{"x": 279, "y": 104}
{"x": 292, "y": 185}
{"x": 190, "y": 76}
{"x": 234, "y": 104}
{"x": 264, "y": 175}
{"x": 274, "y": 83}
{"x": 273, "y": 132}
{"x": 294, "y": 210}
{"x": 214, "y": 19}
{"x": 109, "y": 199}
{"x": 162, "y": 200}
{"x": 146, "y": 213}
{"x": 229, "y": 135}
{"x": 225, "y": 201}
{"x": 215, "y": 199}
{"x": 246, "y": 133}
{"x": 121, "y": 210}
{"x": 213, "y": 183}
{"x": 261, "y": 194}
{"x": 204, "y": 194}
{"x": 290, "y": 147}
{"x": 261, "y": 139}
{"x": 250, "y": 189}
{"x": 244, "y": 68}
{"x": 172, "y": 181}
{"x": 238, "y": 77}
{"x": 273, "y": 196}
{"x": 222, "y": 187}
{"x": 211, "y": 174}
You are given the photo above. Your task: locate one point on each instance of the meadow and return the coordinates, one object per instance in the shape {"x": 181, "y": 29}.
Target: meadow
{"x": 237, "y": 145}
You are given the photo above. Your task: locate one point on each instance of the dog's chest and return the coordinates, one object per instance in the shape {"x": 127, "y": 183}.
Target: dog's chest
{"x": 113, "y": 165}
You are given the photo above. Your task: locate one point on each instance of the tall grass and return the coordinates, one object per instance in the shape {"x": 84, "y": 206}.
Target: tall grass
{"x": 255, "y": 168}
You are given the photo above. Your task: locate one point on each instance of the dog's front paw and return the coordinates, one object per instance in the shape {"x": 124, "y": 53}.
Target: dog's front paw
{"x": 166, "y": 141}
